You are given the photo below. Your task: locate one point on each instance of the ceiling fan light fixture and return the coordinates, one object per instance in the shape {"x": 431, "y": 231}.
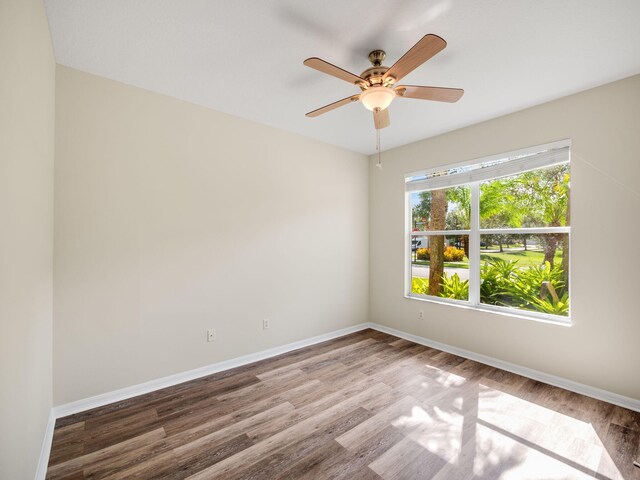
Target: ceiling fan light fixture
{"x": 376, "y": 82}
{"x": 377, "y": 97}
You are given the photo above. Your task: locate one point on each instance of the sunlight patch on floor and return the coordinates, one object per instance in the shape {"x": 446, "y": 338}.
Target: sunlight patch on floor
{"x": 488, "y": 433}
{"x": 437, "y": 431}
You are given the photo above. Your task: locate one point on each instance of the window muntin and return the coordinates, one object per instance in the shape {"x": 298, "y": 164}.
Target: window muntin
{"x": 516, "y": 225}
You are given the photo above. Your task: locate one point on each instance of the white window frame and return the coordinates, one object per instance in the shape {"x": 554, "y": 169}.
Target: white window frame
{"x": 474, "y": 232}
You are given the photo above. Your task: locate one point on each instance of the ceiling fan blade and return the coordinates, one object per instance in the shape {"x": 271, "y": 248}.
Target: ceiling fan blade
{"x": 330, "y": 69}
{"x": 438, "y": 94}
{"x": 427, "y": 47}
{"x": 381, "y": 118}
{"x": 331, "y": 106}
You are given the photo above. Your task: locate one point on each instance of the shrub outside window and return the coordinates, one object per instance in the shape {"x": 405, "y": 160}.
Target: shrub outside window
{"x": 493, "y": 233}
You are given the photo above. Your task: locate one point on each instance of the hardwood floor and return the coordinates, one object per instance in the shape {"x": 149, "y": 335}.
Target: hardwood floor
{"x": 364, "y": 406}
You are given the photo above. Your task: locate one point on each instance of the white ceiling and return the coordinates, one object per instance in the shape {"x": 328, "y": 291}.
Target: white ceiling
{"x": 244, "y": 57}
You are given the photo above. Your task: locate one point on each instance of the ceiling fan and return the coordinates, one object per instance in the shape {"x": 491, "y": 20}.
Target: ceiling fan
{"x": 378, "y": 83}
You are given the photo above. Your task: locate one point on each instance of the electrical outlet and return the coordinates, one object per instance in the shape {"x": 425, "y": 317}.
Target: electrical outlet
{"x": 265, "y": 324}
{"x": 420, "y": 315}
{"x": 211, "y": 335}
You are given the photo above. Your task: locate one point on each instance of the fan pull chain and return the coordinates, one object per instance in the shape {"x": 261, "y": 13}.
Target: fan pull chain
{"x": 379, "y": 165}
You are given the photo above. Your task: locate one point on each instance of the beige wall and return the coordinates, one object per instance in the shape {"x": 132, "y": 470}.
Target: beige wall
{"x": 27, "y": 75}
{"x": 171, "y": 219}
{"x": 601, "y": 348}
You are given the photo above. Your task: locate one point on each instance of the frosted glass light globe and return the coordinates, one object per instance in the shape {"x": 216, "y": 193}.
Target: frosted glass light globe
{"x": 377, "y": 97}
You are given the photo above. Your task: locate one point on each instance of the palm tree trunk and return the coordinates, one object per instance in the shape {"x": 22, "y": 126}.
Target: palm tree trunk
{"x": 550, "y": 246}
{"x": 436, "y": 250}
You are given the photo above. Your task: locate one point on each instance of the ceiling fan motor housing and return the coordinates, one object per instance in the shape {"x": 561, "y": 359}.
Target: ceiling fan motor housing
{"x": 375, "y": 75}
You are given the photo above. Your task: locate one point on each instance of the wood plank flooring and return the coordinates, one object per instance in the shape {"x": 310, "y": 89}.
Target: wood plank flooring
{"x": 364, "y": 406}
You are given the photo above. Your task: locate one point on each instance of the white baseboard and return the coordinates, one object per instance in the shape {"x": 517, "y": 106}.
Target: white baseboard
{"x": 41, "y": 471}
{"x": 169, "y": 381}
{"x": 142, "y": 388}
{"x": 599, "y": 394}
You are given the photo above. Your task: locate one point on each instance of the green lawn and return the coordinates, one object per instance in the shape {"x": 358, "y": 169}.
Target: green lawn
{"x": 530, "y": 257}
{"x": 525, "y": 259}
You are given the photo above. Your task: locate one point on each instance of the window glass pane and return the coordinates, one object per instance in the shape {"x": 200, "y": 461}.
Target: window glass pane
{"x": 440, "y": 266}
{"x": 539, "y": 198}
{"x": 527, "y": 272}
{"x": 445, "y": 209}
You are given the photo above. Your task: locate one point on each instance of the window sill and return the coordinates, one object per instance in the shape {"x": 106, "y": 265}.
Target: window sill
{"x": 534, "y": 316}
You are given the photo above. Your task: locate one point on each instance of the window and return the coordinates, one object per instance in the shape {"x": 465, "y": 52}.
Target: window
{"x": 494, "y": 233}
